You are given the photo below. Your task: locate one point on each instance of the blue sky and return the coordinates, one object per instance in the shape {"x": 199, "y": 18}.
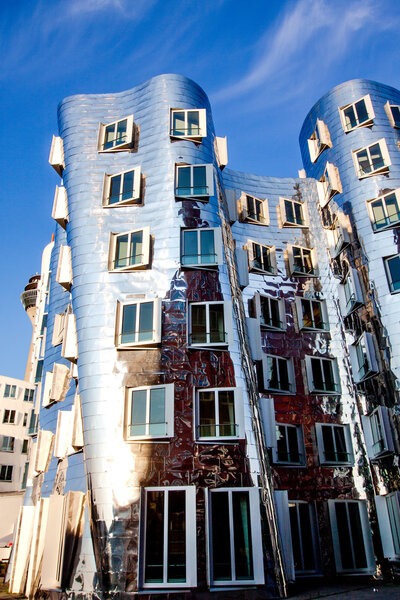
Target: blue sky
{"x": 263, "y": 64}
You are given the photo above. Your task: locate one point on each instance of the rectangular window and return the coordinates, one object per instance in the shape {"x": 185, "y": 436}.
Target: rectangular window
{"x": 28, "y": 395}
{"x": 334, "y": 444}
{"x": 188, "y": 123}
{"x": 254, "y": 210}
{"x": 25, "y": 476}
{"x": 210, "y": 323}
{"x": 169, "y": 537}
{"x": 350, "y": 293}
{"x": 278, "y": 374}
{"x": 322, "y": 375}
{"x": 130, "y": 250}
{"x": 138, "y": 323}
{"x": 116, "y": 136}
{"x": 379, "y": 432}
{"x": 302, "y": 261}
{"x": 43, "y": 325}
{"x": 357, "y": 114}
{"x": 59, "y": 326}
{"x": 194, "y": 181}
{"x": 9, "y": 391}
{"x": 201, "y": 247}
{"x": 218, "y": 414}
{"x": 122, "y": 188}
{"x": 39, "y": 370}
{"x": 393, "y": 113}
{"x": 363, "y": 357}
{"x": 261, "y": 258}
{"x": 236, "y": 555}
{"x": 7, "y": 444}
{"x": 289, "y": 444}
{"x": 312, "y": 314}
{"x": 150, "y": 412}
{"x": 292, "y": 213}
{"x": 9, "y": 416}
{"x": 329, "y": 184}
{"x": 24, "y": 449}
{"x": 392, "y": 267}
{"x": 272, "y": 311}
{"x": 319, "y": 140}
{"x": 25, "y": 420}
{"x": 303, "y": 528}
{"x": 385, "y": 211}
{"x": 372, "y": 159}
{"x": 6, "y": 472}
{"x": 388, "y": 512}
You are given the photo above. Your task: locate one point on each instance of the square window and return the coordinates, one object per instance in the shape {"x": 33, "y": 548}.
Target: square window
{"x": 262, "y": 259}
{"x": 357, "y": 114}
{"x": 129, "y": 251}
{"x": 194, "y": 181}
{"x": 322, "y": 375}
{"x": 138, "y": 323}
{"x": 289, "y": 447}
{"x": 278, "y": 374}
{"x": 319, "y": 140}
{"x": 122, "y": 188}
{"x": 210, "y": 324}
{"x": 253, "y": 210}
{"x": 219, "y": 414}
{"x": 363, "y": 358}
{"x": 6, "y": 472}
{"x": 116, "y": 136}
{"x": 189, "y": 124}
{"x": 10, "y": 391}
{"x": 302, "y": 261}
{"x": 292, "y": 213}
{"x": 312, "y": 314}
{"x": 7, "y": 444}
{"x": 372, "y": 159}
{"x": 201, "y": 247}
{"x": 385, "y": 211}
{"x": 235, "y": 548}
{"x": 334, "y": 444}
{"x": 169, "y": 537}
{"x": 9, "y": 416}
{"x": 149, "y": 412}
{"x": 329, "y": 184}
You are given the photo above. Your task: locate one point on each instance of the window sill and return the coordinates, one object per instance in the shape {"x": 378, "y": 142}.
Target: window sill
{"x": 368, "y": 123}
{"x": 382, "y": 171}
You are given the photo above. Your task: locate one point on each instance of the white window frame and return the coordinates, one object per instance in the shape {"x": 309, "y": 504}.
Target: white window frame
{"x": 217, "y": 248}
{"x": 120, "y": 147}
{"x": 335, "y": 376}
{"x": 251, "y": 258}
{"x": 145, "y": 256}
{"x": 321, "y": 446}
{"x": 388, "y": 109}
{"x": 6, "y": 473}
{"x": 388, "y": 513}
{"x": 294, "y": 272}
{"x": 238, "y": 415}
{"x": 385, "y": 157}
{"x": 206, "y": 193}
{"x": 300, "y": 445}
{"x": 319, "y": 140}
{"x": 266, "y": 359}
{"x": 257, "y": 309}
{"x": 10, "y": 390}
{"x": 284, "y": 217}
{"x": 56, "y": 157}
{"x": 370, "y": 113}
{"x": 168, "y": 412}
{"x": 386, "y": 261}
{"x": 378, "y": 433}
{"x": 329, "y": 184}
{"x": 323, "y": 312}
{"x": 365, "y": 525}
{"x": 250, "y": 218}
{"x": 11, "y": 415}
{"x": 7, "y": 443}
{"x": 255, "y": 527}
{"x": 350, "y": 293}
{"x": 156, "y": 331}
{"x": 388, "y": 223}
{"x": 136, "y": 191}
{"x": 314, "y": 535}
{"x": 370, "y": 366}
{"x": 190, "y": 537}
{"x": 185, "y": 136}
{"x": 228, "y": 325}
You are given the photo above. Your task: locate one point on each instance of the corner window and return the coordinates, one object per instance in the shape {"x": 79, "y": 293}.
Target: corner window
{"x": 150, "y": 412}
{"x": 194, "y": 181}
{"x": 210, "y": 323}
{"x": 319, "y": 140}
{"x": 292, "y": 213}
{"x": 169, "y": 537}
{"x": 350, "y": 293}
{"x": 278, "y": 374}
{"x": 393, "y": 113}
{"x": 129, "y": 251}
{"x": 261, "y": 258}
{"x": 334, "y": 444}
{"x": 201, "y": 247}
{"x": 385, "y": 211}
{"x": 357, "y": 114}
{"x": 6, "y": 472}
{"x": 363, "y": 358}
{"x": 289, "y": 444}
{"x": 329, "y": 185}
{"x": 122, "y": 188}
{"x": 322, "y": 375}
{"x": 7, "y": 444}
{"x": 188, "y": 124}
{"x": 302, "y": 261}
{"x": 219, "y": 414}
{"x": 392, "y": 267}
{"x": 236, "y": 555}
{"x": 9, "y": 391}
{"x": 116, "y": 136}
{"x": 372, "y": 159}
{"x": 378, "y": 433}
{"x": 9, "y": 416}
{"x": 138, "y": 323}
{"x": 253, "y": 210}
{"x": 312, "y": 314}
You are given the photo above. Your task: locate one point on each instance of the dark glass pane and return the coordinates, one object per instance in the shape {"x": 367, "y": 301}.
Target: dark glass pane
{"x": 289, "y": 212}
{"x": 361, "y": 110}
{"x": 154, "y": 558}
{"x": 44, "y": 323}
{"x": 293, "y": 444}
{"x": 190, "y": 250}
{"x": 266, "y": 259}
{"x": 127, "y": 187}
{"x": 296, "y": 540}
{"x": 178, "y": 123}
{"x": 396, "y": 115}
{"x": 281, "y": 443}
{"x": 329, "y": 446}
{"x": 121, "y": 252}
{"x": 357, "y": 535}
{"x": 193, "y": 122}
{"x": 242, "y": 535}
{"x": 128, "y": 333}
{"x": 392, "y": 209}
{"x": 298, "y": 211}
{"x": 199, "y": 334}
{"x": 258, "y": 207}
{"x": 109, "y": 137}
{"x": 251, "y": 210}
{"x": 220, "y": 537}
{"x": 350, "y": 117}
{"x": 340, "y": 442}
{"x": 257, "y": 259}
{"x": 328, "y": 376}
{"x": 394, "y": 269}
{"x": 157, "y": 412}
{"x": 226, "y": 413}
{"x": 199, "y": 181}
{"x": 364, "y": 162}
{"x": 146, "y": 321}
{"x": 136, "y": 256}
{"x": 307, "y": 538}
{"x": 207, "y": 249}
{"x": 183, "y": 187}
{"x": 176, "y": 537}
{"x": 115, "y": 189}
{"x": 317, "y": 374}
{"x": 207, "y": 414}
{"x": 317, "y": 315}
{"x": 272, "y": 373}
{"x": 121, "y": 132}
{"x": 344, "y": 535}
{"x": 217, "y": 329}
{"x": 284, "y": 383}
{"x": 376, "y": 157}
{"x": 138, "y": 418}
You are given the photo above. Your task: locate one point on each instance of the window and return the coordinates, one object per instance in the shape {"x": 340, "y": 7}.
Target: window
{"x": 25, "y": 476}
{"x": 194, "y": 181}
{"x": 43, "y": 325}
{"x": 33, "y": 424}
{"x": 169, "y": 537}
{"x": 393, "y": 113}
{"x": 253, "y": 210}
{"x": 261, "y": 258}
{"x": 28, "y": 396}
{"x": 219, "y": 414}
{"x": 322, "y": 375}
{"x": 289, "y": 444}
{"x": 60, "y": 207}
{"x": 312, "y": 314}
{"x": 6, "y": 472}
{"x": 392, "y": 267}
{"x": 122, "y": 188}
{"x": 69, "y": 348}
{"x": 138, "y": 323}
{"x": 201, "y": 247}
{"x": 292, "y": 213}
{"x": 350, "y": 293}
{"x": 351, "y": 535}
{"x": 210, "y": 323}
{"x": 303, "y": 528}
{"x": 56, "y": 157}
{"x": 236, "y": 555}
{"x": 188, "y": 123}
{"x": 388, "y": 512}
{"x": 302, "y": 261}
{"x": 385, "y": 211}
{"x": 363, "y": 357}
{"x": 64, "y": 268}
{"x": 378, "y": 433}
{"x": 372, "y": 159}
{"x": 339, "y": 234}
{"x": 319, "y": 140}
{"x": 116, "y": 136}
{"x": 7, "y": 444}
{"x": 25, "y": 420}
{"x": 24, "y": 449}
{"x": 9, "y": 416}
{"x": 329, "y": 185}
{"x": 59, "y": 326}
{"x": 9, "y": 391}
{"x": 39, "y": 370}
{"x": 271, "y": 312}
{"x": 334, "y": 444}
{"x": 150, "y": 412}
{"x": 130, "y": 250}
{"x": 357, "y": 114}
{"x": 278, "y": 374}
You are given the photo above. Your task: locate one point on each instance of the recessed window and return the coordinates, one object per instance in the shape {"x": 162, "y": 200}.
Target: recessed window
{"x": 319, "y": 140}
{"x": 150, "y": 412}
{"x": 219, "y": 414}
{"x": 210, "y": 323}
{"x": 312, "y": 314}
{"x": 334, "y": 444}
{"x": 6, "y": 472}
{"x": 329, "y": 185}
{"x": 194, "y": 181}
{"x": 201, "y": 247}
{"x": 7, "y": 444}
{"x": 357, "y": 114}
{"x": 322, "y": 375}
{"x": 25, "y": 420}
{"x": 392, "y": 267}
{"x": 116, "y": 136}
{"x": 350, "y": 293}
{"x": 9, "y": 416}
{"x": 24, "y": 449}
{"x": 129, "y": 251}
{"x": 289, "y": 444}
{"x": 235, "y": 536}
{"x": 261, "y": 258}
{"x": 169, "y": 537}
{"x": 372, "y": 159}
{"x": 363, "y": 357}
{"x": 122, "y": 188}
{"x": 9, "y": 391}
{"x": 188, "y": 123}
{"x": 272, "y": 311}
{"x": 138, "y": 323}
{"x": 385, "y": 211}
{"x": 278, "y": 374}
{"x": 303, "y": 529}
{"x": 378, "y": 433}
{"x": 292, "y": 213}
{"x": 393, "y": 113}
{"x": 302, "y": 261}
{"x": 253, "y": 210}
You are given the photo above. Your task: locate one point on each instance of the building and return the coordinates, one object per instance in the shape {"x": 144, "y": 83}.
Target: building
{"x": 205, "y": 425}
